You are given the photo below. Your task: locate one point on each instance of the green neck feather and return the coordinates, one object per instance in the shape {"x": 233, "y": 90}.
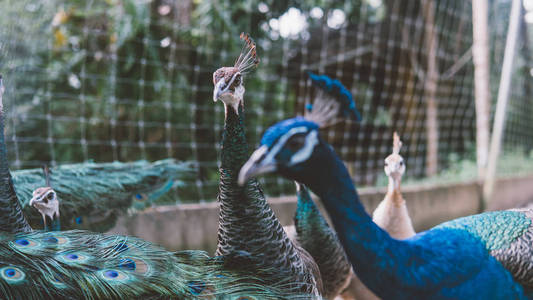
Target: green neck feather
{"x": 12, "y": 219}
{"x": 246, "y": 221}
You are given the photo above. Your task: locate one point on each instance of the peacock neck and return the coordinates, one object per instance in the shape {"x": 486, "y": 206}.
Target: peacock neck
{"x": 53, "y": 224}
{"x": 308, "y": 217}
{"x": 367, "y": 246}
{"x": 234, "y": 146}
{"x": 394, "y": 193}
{"x": 246, "y": 221}
{"x": 12, "y": 219}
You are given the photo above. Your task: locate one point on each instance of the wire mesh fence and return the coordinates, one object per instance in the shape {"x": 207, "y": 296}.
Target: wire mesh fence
{"x": 130, "y": 79}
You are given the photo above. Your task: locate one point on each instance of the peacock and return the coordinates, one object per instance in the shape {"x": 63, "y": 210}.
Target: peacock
{"x": 44, "y": 199}
{"x": 12, "y": 220}
{"x": 391, "y": 214}
{"x": 80, "y": 264}
{"x": 450, "y": 261}
{"x": 313, "y": 233}
{"x": 94, "y": 194}
{"x": 246, "y": 221}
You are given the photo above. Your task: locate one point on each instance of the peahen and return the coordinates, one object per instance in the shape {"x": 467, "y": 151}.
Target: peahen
{"x": 93, "y": 195}
{"x": 44, "y": 199}
{"x": 391, "y": 214}
{"x": 83, "y": 265}
{"x": 450, "y": 261}
{"x": 246, "y": 221}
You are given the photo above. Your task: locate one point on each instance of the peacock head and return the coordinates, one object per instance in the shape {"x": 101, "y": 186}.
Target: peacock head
{"x": 284, "y": 147}
{"x": 394, "y": 163}
{"x": 287, "y": 146}
{"x": 228, "y": 81}
{"x": 45, "y": 201}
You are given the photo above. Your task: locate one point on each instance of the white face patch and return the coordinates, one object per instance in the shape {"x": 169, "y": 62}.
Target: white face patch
{"x": 311, "y": 140}
{"x": 232, "y": 99}
{"x": 50, "y": 208}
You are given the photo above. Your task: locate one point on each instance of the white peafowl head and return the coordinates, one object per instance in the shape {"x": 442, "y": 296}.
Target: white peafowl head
{"x": 228, "y": 81}
{"x": 394, "y": 163}
{"x": 45, "y": 200}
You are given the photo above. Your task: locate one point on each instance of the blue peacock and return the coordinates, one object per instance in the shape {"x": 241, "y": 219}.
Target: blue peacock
{"x": 84, "y": 265}
{"x": 450, "y": 261}
{"x": 246, "y": 221}
{"x": 94, "y": 194}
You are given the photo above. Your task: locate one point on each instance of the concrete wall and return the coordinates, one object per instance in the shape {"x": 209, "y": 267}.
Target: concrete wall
{"x": 194, "y": 226}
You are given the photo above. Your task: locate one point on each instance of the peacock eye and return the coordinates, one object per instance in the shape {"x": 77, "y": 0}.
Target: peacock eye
{"x": 296, "y": 142}
{"x": 50, "y": 196}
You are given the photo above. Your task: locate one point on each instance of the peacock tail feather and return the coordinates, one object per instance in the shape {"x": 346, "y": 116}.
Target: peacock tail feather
{"x": 316, "y": 236}
{"x": 92, "y": 195}
{"x": 84, "y": 265}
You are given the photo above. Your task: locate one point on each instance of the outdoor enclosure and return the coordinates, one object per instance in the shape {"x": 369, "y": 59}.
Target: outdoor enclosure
{"x": 130, "y": 79}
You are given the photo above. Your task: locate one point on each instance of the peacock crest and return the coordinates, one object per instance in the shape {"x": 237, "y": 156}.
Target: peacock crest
{"x": 332, "y": 102}
{"x": 248, "y": 58}
{"x": 396, "y": 143}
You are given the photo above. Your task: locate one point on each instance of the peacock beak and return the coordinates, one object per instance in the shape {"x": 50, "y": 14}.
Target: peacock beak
{"x": 259, "y": 163}
{"x": 218, "y": 89}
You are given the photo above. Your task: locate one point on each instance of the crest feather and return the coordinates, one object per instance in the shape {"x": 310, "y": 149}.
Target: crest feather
{"x": 332, "y": 102}
{"x": 248, "y": 58}
{"x": 396, "y": 143}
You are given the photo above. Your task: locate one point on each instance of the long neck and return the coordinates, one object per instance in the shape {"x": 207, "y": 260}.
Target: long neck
{"x": 394, "y": 193}
{"x": 322, "y": 243}
{"x": 369, "y": 248}
{"x": 12, "y": 219}
{"x": 53, "y": 224}
{"x": 246, "y": 221}
{"x": 234, "y": 146}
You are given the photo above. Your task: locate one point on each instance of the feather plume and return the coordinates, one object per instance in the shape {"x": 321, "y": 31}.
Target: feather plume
{"x": 396, "y": 143}
{"x": 332, "y": 102}
{"x": 92, "y": 195}
{"x": 85, "y": 265}
{"x": 248, "y": 58}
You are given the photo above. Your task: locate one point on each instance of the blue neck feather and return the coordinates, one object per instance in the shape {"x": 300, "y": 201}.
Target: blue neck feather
{"x": 354, "y": 226}
{"x": 437, "y": 264}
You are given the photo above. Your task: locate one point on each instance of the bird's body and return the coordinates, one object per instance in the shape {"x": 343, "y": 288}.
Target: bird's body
{"x": 391, "y": 213}
{"x": 246, "y": 221}
{"x": 93, "y": 195}
{"x": 447, "y": 262}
